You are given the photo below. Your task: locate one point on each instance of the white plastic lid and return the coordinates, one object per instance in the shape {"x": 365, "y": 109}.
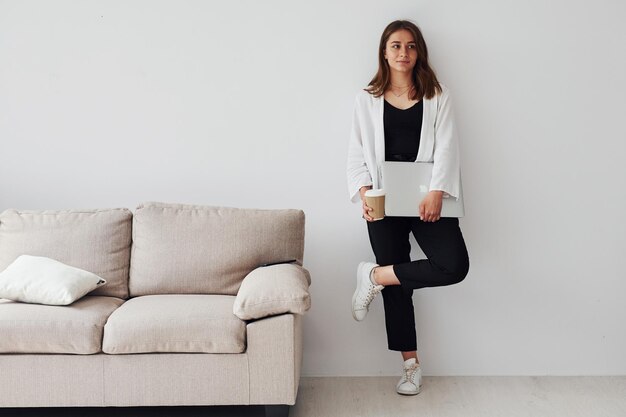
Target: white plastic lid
{"x": 375, "y": 193}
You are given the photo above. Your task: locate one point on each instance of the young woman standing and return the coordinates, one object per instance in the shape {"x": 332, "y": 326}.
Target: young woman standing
{"x": 405, "y": 114}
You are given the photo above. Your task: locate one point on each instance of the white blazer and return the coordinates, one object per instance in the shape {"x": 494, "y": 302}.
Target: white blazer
{"x": 438, "y": 144}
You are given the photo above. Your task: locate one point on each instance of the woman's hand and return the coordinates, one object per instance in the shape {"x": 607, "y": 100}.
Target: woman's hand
{"x": 366, "y": 208}
{"x": 430, "y": 207}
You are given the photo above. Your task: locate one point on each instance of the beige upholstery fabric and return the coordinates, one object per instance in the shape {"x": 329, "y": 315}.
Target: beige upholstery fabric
{"x": 181, "y": 249}
{"x": 33, "y": 380}
{"x": 123, "y": 380}
{"x": 176, "y": 379}
{"x": 275, "y": 355}
{"x": 97, "y": 241}
{"x": 273, "y": 290}
{"x": 175, "y": 323}
{"x": 267, "y": 373}
{"x": 35, "y": 328}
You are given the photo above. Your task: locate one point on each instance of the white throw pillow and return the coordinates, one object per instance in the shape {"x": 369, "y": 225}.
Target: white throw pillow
{"x": 40, "y": 280}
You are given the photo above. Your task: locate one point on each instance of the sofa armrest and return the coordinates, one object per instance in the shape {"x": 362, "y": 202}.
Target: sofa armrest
{"x": 275, "y": 351}
{"x": 272, "y": 290}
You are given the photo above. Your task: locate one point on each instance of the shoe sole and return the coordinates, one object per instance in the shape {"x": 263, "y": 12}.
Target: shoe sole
{"x": 358, "y": 281}
{"x": 407, "y": 393}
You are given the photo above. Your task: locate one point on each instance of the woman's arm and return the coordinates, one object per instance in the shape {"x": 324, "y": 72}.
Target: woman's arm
{"x": 357, "y": 173}
{"x": 446, "y": 157}
{"x": 446, "y": 163}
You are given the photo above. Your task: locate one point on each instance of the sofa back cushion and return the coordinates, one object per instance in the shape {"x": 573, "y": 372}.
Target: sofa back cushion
{"x": 97, "y": 241}
{"x": 184, "y": 249}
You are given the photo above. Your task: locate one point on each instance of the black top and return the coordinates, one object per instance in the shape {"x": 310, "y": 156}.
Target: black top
{"x": 402, "y": 131}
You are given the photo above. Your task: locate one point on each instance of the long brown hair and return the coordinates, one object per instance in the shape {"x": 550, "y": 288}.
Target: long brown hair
{"x": 423, "y": 76}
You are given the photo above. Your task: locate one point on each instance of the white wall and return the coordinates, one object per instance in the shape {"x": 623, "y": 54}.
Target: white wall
{"x": 248, "y": 103}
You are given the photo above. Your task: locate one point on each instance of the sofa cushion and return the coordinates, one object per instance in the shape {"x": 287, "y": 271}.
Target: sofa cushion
{"x": 175, "y": 323}
{"x": 97, "y": 241}
{"x": 36, "y": 328}
{"x": 273, "y": 290}
{"x": 182, "y": 249}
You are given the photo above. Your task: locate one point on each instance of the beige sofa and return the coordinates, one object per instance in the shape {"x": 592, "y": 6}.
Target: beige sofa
{"x": 163, "y": 330}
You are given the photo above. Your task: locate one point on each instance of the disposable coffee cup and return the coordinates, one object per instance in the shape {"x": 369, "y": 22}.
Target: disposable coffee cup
{"x": 375, "y": 199}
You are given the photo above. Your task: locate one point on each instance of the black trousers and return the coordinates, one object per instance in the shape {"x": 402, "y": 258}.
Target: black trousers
{"x": 447, "y": 263}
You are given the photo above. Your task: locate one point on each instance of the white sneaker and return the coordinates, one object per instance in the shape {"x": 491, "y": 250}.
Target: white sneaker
{"x": 365, "y": 290}
{"x": 411, "y": 380}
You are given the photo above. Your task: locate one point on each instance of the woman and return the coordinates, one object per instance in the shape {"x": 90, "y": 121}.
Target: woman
{"x": 405, "y": 114}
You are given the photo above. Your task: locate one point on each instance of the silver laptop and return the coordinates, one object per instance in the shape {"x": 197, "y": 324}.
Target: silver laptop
{"x": 406, "y": 184}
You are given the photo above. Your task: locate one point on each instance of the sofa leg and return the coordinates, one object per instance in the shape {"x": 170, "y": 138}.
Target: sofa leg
{"x": 277, "y": 410}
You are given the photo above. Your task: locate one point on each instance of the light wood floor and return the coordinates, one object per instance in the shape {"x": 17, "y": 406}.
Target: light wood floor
{"x": 440, "y": 397}
{"x": 464, "y": 397}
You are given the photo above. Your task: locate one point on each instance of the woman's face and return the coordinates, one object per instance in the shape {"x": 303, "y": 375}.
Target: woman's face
{"x": 400, "y": 51}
